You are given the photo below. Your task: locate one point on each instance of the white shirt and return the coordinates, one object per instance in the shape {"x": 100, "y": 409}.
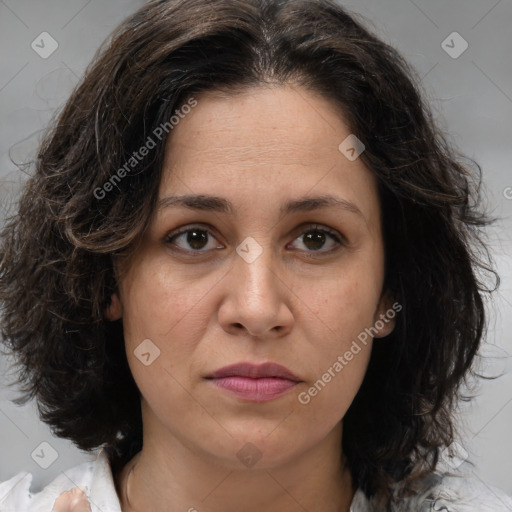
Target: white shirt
{"x": 444, "y": 493}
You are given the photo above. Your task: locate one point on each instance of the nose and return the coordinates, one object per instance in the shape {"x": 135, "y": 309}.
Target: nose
{"x": 257, "y": 298}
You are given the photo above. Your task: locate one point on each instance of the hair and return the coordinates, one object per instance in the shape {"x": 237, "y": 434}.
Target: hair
{"x": 58, "y": 251}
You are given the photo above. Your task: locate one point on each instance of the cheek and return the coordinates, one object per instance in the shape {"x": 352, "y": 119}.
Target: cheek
{"x": 158, "y": 300}
{"x": 344, "y": 304}
{"x": 340, "y": 310}
{"x": 341, "y": 369}
{"x": 338, "y": 382}
{"x": 167, "y": 309}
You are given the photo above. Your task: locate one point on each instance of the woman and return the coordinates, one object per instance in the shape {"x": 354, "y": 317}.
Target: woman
{"x": 245, "y": 269}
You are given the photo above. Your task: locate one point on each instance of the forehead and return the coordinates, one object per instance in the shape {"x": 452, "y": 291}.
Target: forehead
{"x": 264, "y": 143}
{"x": 285, "y": 123}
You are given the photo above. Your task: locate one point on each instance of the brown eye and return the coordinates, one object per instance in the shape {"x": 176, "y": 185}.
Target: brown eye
{"x": 197, "y": 239}
{"x": 193, "y": 239}
{"x": 315, "y": 238}
{"x": 200, "y": 240}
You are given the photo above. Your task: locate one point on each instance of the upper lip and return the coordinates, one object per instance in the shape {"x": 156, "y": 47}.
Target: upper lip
{"x": 254, "y": 371}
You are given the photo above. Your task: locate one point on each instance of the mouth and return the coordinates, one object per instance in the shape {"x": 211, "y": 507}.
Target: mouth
{"x": 255, "y": 383}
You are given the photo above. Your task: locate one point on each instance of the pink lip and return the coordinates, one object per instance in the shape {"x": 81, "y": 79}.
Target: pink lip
{"x": 257, "y": 383}
{"x": 255, "y": 390}
{"x": 254, "y": 371}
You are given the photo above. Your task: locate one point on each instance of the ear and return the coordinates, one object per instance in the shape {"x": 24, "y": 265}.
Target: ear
{"x": 384, "y": 321}
{"x": 114, "y": 310}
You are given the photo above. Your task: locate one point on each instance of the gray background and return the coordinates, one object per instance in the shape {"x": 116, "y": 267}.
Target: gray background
{"x": 472, "y": 100}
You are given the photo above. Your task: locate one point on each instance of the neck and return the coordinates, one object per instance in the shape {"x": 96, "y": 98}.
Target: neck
{"x": 167, "y": 476}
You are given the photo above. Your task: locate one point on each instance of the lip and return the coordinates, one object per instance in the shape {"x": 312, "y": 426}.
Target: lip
{"x": 255, "y": 383}
{"x": 255, "y": 371}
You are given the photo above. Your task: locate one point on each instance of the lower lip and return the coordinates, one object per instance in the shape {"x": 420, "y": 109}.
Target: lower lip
{"x": 256, "y": 390}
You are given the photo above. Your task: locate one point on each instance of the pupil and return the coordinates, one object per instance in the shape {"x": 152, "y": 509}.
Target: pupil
{"x": 317, "y": 238}
{"x": 197, "y": 239}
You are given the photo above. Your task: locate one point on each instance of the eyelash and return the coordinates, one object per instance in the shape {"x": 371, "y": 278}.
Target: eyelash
{"x": 169, "y": 239}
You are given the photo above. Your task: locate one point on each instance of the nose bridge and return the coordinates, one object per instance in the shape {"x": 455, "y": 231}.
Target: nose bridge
{"x": 254, "y": 268}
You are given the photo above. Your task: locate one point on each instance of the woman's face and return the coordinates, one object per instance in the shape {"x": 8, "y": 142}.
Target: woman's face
{"x": 258, "y": 277}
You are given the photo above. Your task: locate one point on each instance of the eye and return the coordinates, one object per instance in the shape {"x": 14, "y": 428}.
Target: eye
{"x": 196, "y": 238}
{"x": 314, "y": 238}
{"x": 200, "y": 240}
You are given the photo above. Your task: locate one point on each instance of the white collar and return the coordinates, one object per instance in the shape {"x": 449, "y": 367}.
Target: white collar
{"x": 95, "y": 477}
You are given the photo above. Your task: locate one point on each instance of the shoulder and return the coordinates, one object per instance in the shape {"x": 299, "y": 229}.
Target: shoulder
{"x": 446, "y": 492}
{"x": 468, "y": 493}
{"x": 94, "y": 478}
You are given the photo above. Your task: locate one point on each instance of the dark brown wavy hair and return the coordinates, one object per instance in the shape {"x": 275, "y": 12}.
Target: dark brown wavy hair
{"x": 57, "y": 251}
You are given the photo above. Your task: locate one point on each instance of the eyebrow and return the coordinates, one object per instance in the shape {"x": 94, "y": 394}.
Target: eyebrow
{"x": 218, "y": 204}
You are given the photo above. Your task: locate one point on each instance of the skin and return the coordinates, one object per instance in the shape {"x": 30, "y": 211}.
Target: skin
{"x": 300, "y": 304}
{"x": 74, "y": 500}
